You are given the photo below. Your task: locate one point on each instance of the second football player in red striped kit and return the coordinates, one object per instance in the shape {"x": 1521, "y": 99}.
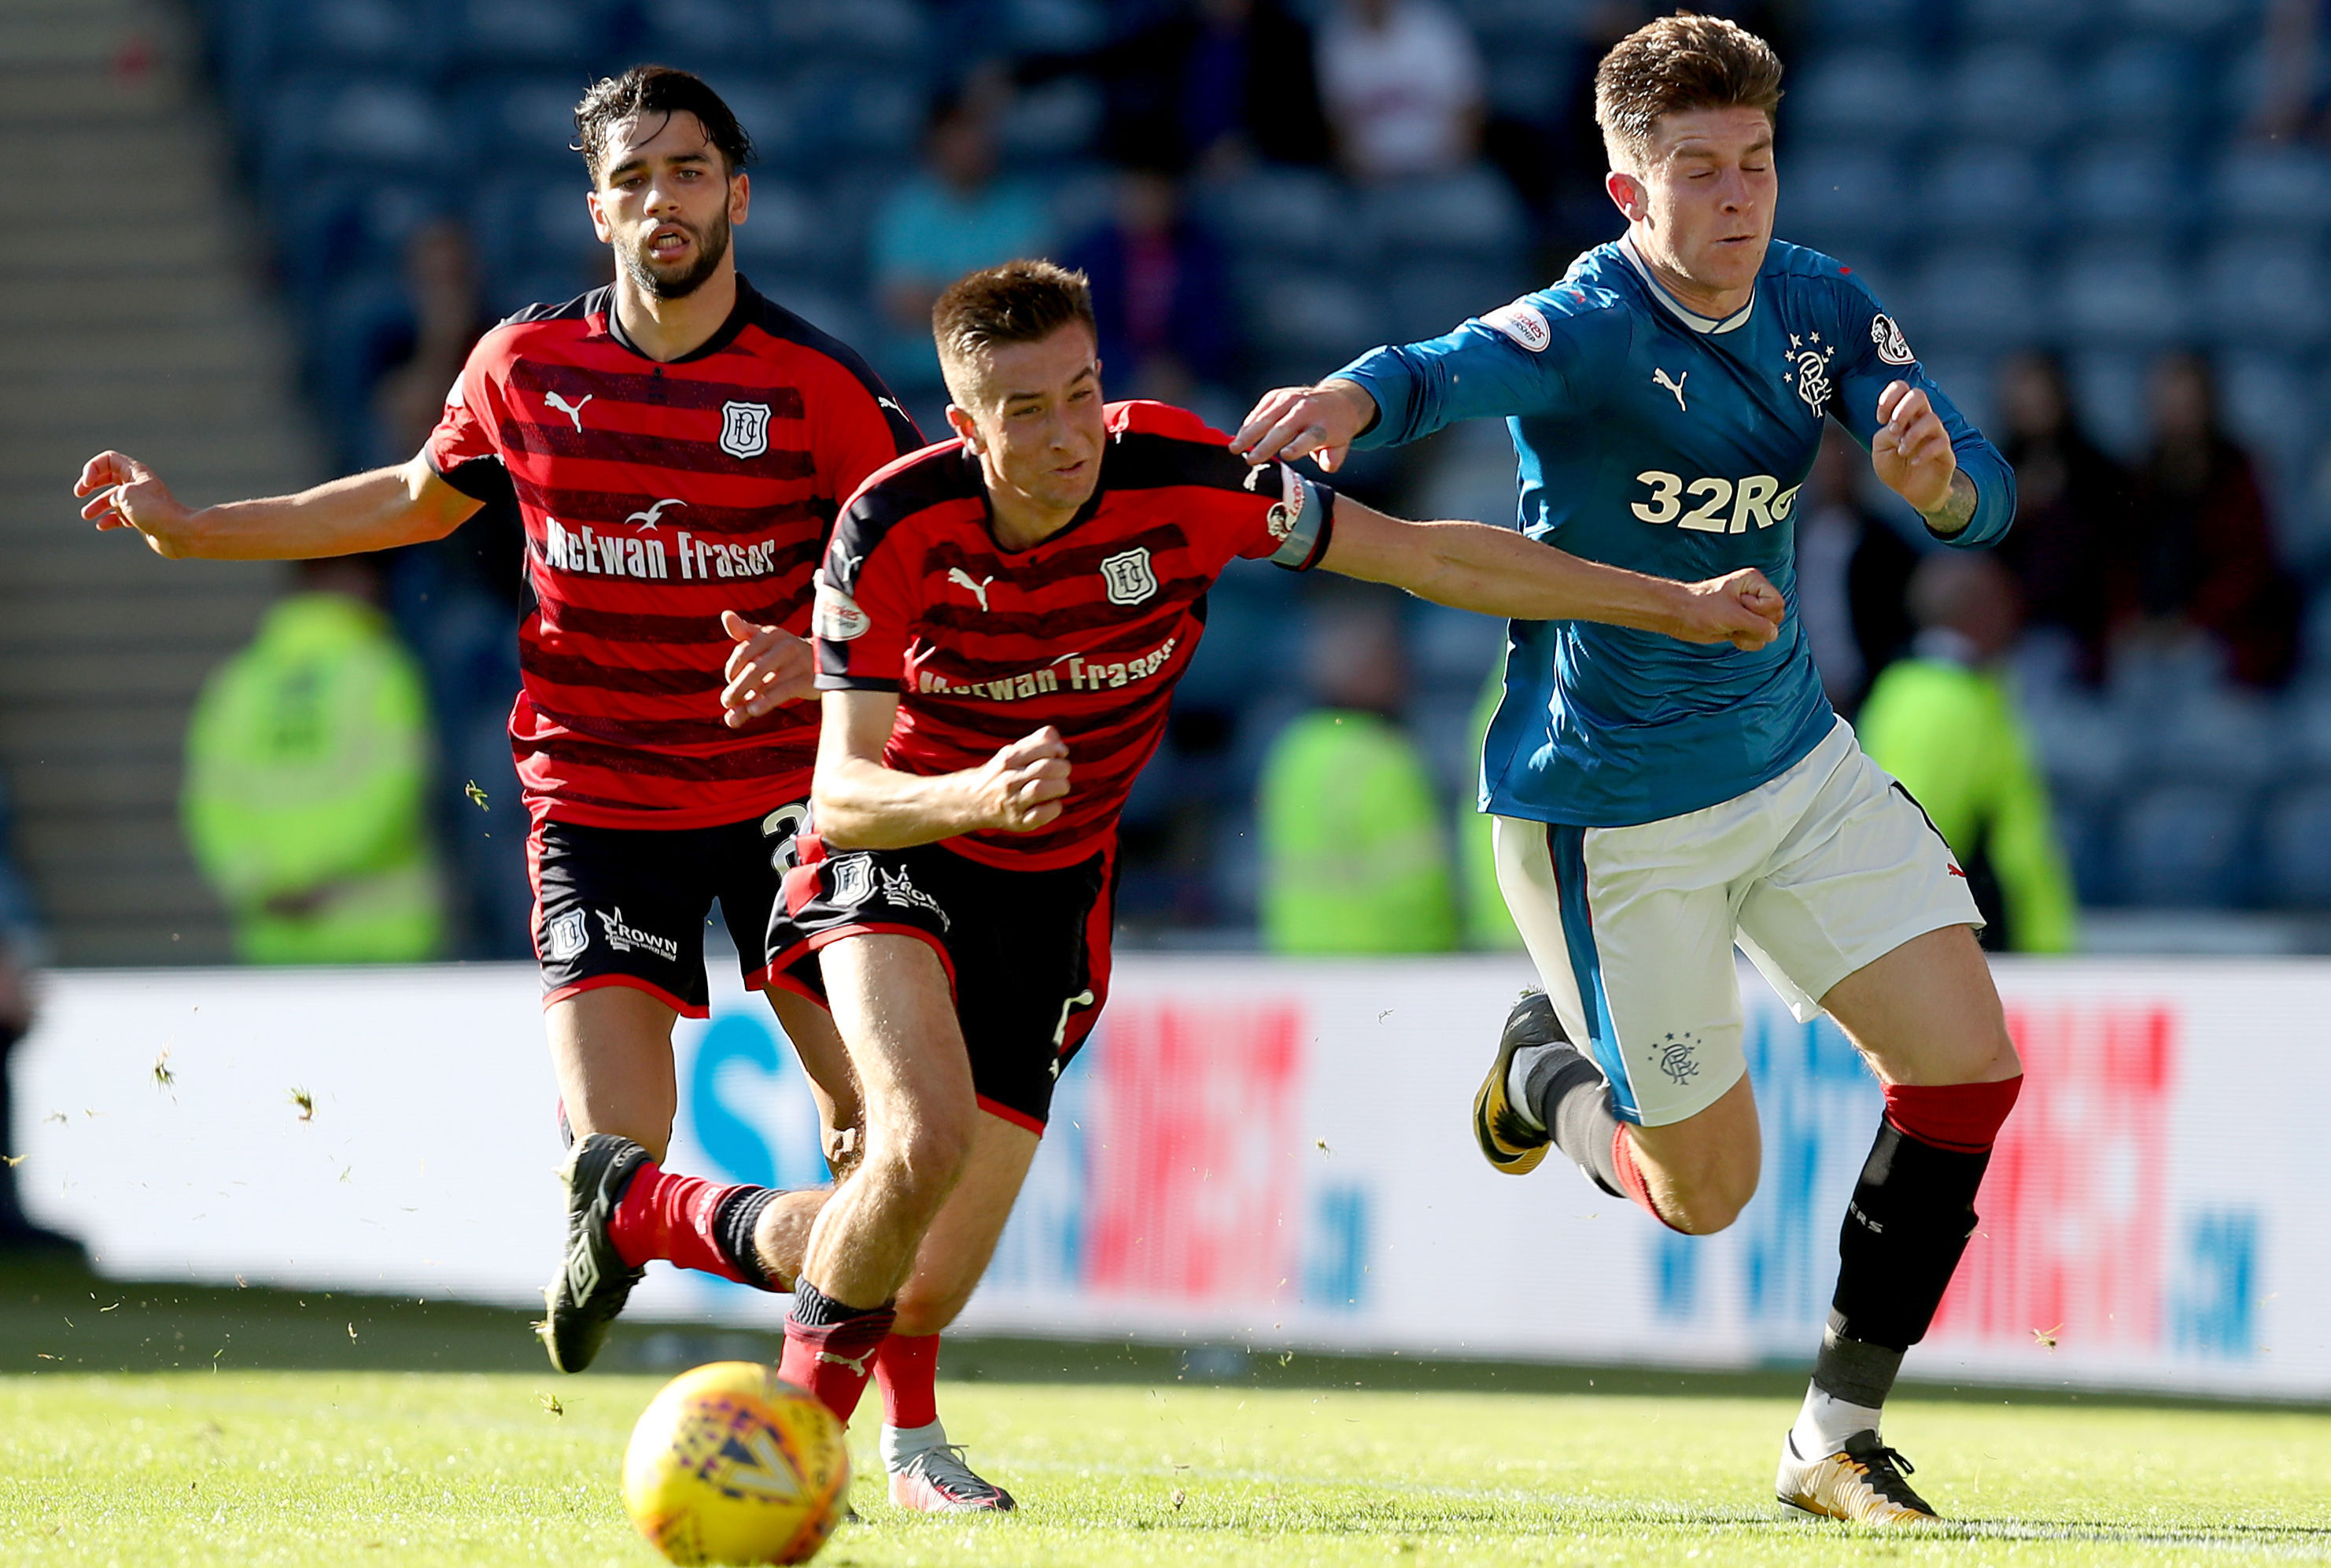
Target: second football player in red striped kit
{"x": 1001, "y": 620}
{"x": 678, "y": 447}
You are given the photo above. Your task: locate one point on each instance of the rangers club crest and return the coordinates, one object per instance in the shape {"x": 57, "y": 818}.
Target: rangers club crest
{"x": 1128, "y": 577}
{"x": 1808, "y": 371}
{"x": 744, "y": 429}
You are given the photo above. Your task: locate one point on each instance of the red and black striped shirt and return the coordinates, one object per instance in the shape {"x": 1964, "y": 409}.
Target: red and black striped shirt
{"x": 656, "y": 495}
{"x": 1087, "y": 630}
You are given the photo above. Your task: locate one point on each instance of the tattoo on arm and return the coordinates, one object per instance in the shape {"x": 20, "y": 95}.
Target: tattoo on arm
{"x": 1957, "y": 508}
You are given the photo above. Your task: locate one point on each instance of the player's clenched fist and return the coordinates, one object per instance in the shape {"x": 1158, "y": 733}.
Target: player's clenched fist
{"x": 1020, "y": 786}
{"x": 1911, "y": 447}
{"x": 1318, "y": 423}
{"x": 768, "y": 668}
{"x": 124, "y": 493}
{"x": 1741, "y": 608}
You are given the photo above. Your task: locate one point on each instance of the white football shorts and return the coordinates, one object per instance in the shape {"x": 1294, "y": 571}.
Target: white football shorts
{"x": 1815, "y": 874}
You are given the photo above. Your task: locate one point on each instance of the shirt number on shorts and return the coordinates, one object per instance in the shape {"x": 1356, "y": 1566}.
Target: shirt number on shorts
{"x": 780, "y": 828}
{"x": 1758, "y": 499}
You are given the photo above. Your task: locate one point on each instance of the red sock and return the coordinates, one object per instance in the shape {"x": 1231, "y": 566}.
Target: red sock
{"x": 1962, "y": 1118}
{"x": 671, "y": 1217}
{"x": 832, "y": 1358}
{"x": 1631, "y": 1177}
{"x": 908, "y": 1371}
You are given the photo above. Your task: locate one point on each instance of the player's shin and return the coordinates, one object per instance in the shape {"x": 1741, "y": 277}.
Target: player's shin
{"x": 694, "y": 1223}
{"x": 831, "y": 1347}
{"x": 1909, "y": 1219}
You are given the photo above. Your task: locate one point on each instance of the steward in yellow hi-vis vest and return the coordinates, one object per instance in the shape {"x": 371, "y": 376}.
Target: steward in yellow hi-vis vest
{"x": 303, "y": 805}
{"x": 1943, "y": 723}
{"x": 1353, "y": 857}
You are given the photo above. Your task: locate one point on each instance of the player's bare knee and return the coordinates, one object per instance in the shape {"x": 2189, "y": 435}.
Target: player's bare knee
{"x": 928, "y": 1304}
{"x": 1708, "y": 1196}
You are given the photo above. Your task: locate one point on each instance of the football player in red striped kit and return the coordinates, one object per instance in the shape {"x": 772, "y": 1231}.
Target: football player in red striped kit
{"x": 999, "y": 622}
{"x": 678, "y": 446}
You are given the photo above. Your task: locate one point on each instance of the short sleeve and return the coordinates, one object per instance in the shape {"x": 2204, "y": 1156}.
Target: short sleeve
{"x": 867, "y": 607}
{"x": 463, "y": 450}
{"x": 1285, "y": 519}
{"x": 862, "y": 428}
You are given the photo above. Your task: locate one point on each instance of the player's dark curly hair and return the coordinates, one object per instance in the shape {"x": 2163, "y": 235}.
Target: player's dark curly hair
{"x": 1674, "y": 65}
{"x": 646, "y": 90}
{"x": 1018, "y": 302}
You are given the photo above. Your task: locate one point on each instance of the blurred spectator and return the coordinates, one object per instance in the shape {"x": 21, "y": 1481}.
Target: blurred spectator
{"x": 306, "y": 762}
{"x": 20, "y": 956}
{"x": 2292, "y": 99}
{"x": 1488, "y": 925}
{"x": 955, "y": 216}
{"x": 1852, "y": 572}
{"x": 2197, "y": 549}
{"x": 1402, "y": 84}
{"x": 2069, "y": 496}
{"x": 1161, "y": 294}
{"x": 1210, "y": 85}
{"x": 448, "y": 315}
{"x": 1944, "y": 723}
{"x": 1354, "y": 859}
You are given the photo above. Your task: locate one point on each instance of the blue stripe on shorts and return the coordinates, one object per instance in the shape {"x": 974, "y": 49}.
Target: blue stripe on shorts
{"x": 1566, "y": 848}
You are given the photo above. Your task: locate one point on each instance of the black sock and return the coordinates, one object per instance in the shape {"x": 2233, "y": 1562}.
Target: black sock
{"x": 814, "y": 1309}
{"x": 1911, "y": 1215}
{"x": 733, "y": 1224}
{"x": 1570, "y": 1095}
{"x": 1853, "y": 1369}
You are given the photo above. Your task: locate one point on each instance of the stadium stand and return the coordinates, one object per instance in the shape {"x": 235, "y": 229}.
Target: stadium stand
{"x": 2079, "y": 175}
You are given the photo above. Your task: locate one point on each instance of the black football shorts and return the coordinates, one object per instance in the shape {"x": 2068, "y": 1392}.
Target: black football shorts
{"x": 1026, "y": 951}
{"x": 628, "y": 906}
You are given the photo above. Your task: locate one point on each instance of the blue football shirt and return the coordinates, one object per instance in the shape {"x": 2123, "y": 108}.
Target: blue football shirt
{"x": 1656, "y": 439}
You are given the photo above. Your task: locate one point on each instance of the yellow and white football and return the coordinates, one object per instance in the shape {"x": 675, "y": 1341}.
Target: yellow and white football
{"x": 730, "y": 1464}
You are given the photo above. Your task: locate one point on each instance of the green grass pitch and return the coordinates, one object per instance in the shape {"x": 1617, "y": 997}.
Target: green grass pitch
{"x": 302, "y": 1447}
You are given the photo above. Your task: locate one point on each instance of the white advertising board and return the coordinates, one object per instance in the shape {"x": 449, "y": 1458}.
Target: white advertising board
{"x": 1271, "y": 1153}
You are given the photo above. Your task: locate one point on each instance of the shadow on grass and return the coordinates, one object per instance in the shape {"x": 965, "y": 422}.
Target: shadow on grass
{"x": 57, "y": 1316}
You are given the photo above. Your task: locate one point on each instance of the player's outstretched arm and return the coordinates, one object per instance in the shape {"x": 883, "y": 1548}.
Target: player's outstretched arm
{"x": 860, "y": 804}
{"x": 1317, "y": 422}
{"x": 1498, "y": 571}
{"x": 405, "y": 505}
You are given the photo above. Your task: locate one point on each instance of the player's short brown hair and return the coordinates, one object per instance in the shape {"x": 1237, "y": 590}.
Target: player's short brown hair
{"x": 655, "y": 90}
{"x": 1674, "y": 65}
{"x": 1018, "y": 302}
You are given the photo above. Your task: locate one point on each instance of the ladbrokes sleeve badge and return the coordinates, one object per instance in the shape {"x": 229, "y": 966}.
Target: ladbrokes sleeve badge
{"x": 837, "y": 618}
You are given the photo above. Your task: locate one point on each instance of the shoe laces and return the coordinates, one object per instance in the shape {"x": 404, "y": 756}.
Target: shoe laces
{"x": 944, "y": 1466}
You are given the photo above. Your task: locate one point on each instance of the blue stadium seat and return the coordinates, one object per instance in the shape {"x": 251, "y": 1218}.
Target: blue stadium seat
{"x": 2186, "y": 846}
{"x": 2295, "y": 849}
{"x": 707, "y": 35}
{"x": 263, "y": 41}
{"x": 527, "y": 224}
{"x": 1897, "y": 24}
{"x": 1428, "y": 296}
{"x": 1968, "y": 376}
{"x": 1973, "y": 298}
{"x": 521, "y": 122}
{"x": 331, "y": 227}
{"x": 379, "y": 128}
{"x": 1472, "y": 214}
{"x": 500, "y": 35}
{"x": 2149, "y": 86}
{"x": 1839, "y": 197}
{"x": 2006, "y": 93}
{"x": 2218, "y": 737}
{"x": 1979, "y": 192}
{"x": 2084, "y": 748}
{"x": 1058, "y": 122}
{"x": 1310, "y": 319}
{"x": 2266, "y": 292}
{"x": 899, "y": 31}
{"x": 2108, "y": 385}
{"x": 2287, "y": 187}
{"x": 2051, "y": 22}
{"x": 2150, "y": 676}
{"x": 790, "y": 231}
{"x": 772, "y": 114}
{"x": 1873, "y": 97}
{"x": 2128, "y": 187}
{"x": 2270, "y": 405}
{"x": 1544, "y": 22}
{"x": 1282, "y": 212}
{"x": 2122, "y": 294}
{"x": 2084, "y": 828}
{"x": 2188, "y": 22}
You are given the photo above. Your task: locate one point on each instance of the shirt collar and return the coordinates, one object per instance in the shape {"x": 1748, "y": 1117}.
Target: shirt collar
{"x": 1705, "y": 325}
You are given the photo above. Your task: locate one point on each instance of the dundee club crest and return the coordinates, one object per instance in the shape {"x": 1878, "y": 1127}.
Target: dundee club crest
{"x": 744, "y": 429}
{"x": 1128, "y": 577}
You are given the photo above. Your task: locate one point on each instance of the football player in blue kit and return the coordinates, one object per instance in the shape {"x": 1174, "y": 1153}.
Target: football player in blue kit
{"x": 1656, "y": 802}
